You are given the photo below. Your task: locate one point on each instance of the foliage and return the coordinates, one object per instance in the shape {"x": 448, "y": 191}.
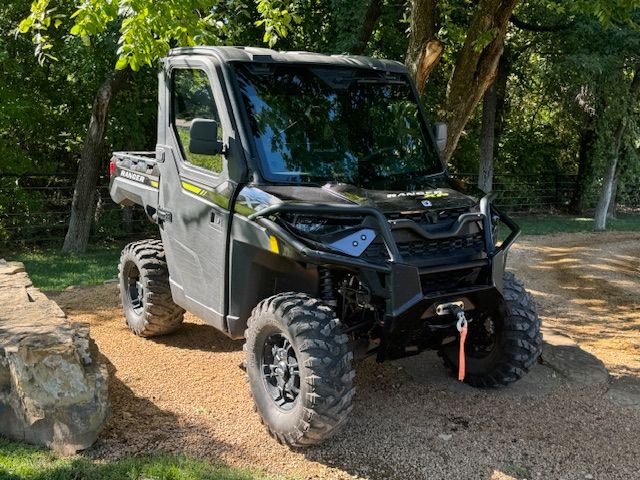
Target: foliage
{"x": 566, "y": 79}
{"x": 278, "y": 18}
{"x": 566, "y": 75}
{"x": 147, "y": 29}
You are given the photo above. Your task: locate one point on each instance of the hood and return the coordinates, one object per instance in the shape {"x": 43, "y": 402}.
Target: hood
{"x": 388, "y": 201}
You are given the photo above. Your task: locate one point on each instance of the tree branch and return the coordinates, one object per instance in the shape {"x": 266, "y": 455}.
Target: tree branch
{"x": 475, "y": 68}
{"x": 523, "y": 25}
{"x": 374, "y": 10}
{"x": 425, "y": 50}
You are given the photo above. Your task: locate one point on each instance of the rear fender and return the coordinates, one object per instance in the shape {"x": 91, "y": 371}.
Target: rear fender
{"x": 126, "y": 191}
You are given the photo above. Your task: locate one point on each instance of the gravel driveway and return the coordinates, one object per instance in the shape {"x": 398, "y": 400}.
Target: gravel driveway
{"x": 185, "y": 392}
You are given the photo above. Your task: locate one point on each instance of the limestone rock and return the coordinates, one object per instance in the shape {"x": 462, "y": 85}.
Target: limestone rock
{"x": 53, "y": 386}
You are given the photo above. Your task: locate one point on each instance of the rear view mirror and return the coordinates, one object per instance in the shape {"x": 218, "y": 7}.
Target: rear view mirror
{"x": 203, "y": 137}
{"x": 440, "y": 132}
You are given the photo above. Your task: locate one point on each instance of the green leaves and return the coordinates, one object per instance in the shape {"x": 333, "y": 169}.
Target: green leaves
{"x": 122, "y": 63}
{"x": 147, "y": 28}
{"x": 484, "y": 39}
{"x": 608, "y": 12}
{"x": 25, "y": 25}
{"x": 38, "y": 22}
{"x": 278, "y": 18}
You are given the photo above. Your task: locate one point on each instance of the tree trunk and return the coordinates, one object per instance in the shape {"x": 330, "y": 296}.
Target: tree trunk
{"x": 475, "y": 66}
{"x": 83, "y": 204}
{"x": 492, "y": 124}
{"x": 487, "y": 139}
{"x": 608, "y": 187}
{"x": 504, "y": 69}
{"x": 585, "y": 168}
{"x": 611, "y": 213}
{"x": 371, "y": 16}
{"x": 425, "y": 50}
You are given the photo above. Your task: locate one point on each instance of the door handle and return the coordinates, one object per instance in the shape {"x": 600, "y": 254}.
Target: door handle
{"x": 215, "y": 219}
{"x": 164, "y": 215}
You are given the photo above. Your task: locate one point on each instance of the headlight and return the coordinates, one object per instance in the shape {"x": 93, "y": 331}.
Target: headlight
{"x": 345, "y": 234}
{"x": 319, "y": 226}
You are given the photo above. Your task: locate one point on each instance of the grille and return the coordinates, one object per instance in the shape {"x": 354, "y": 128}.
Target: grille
{"x": 419, "y": 250}
{"x": 434, "y": 284}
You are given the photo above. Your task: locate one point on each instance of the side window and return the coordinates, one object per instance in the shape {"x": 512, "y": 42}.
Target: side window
{"x": 193, "y": 98}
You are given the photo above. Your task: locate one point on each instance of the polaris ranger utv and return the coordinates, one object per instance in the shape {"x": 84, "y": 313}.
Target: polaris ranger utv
{"x": 303, "y": 205}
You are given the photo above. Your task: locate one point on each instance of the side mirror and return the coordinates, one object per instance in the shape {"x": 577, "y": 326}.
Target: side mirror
{"x": 440, "y": 132}
{"x": 203, "y": 137}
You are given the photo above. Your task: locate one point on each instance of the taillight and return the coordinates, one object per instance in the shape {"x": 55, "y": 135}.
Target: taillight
{"x": 112, "y": 167}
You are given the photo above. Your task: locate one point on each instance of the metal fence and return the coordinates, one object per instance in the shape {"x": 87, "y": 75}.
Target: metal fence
{"x": 551, "y": 193}
{"x": 539, "y": 193}
{"x": 35, "y": 208}
{"x": 35, "y": 211}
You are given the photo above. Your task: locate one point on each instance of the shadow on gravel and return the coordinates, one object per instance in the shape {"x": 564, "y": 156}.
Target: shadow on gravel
{"x": 413, "y": 415}
{"x": 100, "y": 302}
{"x": 198, "y": 336}
{"x": 138, "y": 427}
{"x": 595, "y": 282}
{"x": 625, "y": 389}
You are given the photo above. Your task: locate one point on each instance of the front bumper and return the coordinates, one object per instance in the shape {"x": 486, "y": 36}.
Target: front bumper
{"x": 404, "y": 287}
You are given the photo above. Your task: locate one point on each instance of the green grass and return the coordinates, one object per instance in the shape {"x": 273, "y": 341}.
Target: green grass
{"x": 25, "y": 462}
{"x": 208, "y": 162}
{"x": 52, "y": 270}
{"x": 544, "y": 225}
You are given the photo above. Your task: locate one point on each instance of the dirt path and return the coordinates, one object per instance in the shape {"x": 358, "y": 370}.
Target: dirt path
{"x": 588, "y": 286}
{"x": 185, "y": 393}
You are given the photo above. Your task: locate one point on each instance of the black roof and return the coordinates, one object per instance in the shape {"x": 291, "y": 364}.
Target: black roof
{"x": 265, "y": 55}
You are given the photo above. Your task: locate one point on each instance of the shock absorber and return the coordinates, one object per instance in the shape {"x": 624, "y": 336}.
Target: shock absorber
{"x": 327, "y": 293}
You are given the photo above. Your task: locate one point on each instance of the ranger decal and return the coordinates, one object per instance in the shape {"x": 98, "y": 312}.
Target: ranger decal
{"x": 136, "y": 177}
{"x": 427, "y": 194}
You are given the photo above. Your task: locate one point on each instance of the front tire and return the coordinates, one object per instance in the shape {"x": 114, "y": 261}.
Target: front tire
{"x": 508, "y": 353}
{"x": 299, "y": 369}
{"x": 143, "y": 278}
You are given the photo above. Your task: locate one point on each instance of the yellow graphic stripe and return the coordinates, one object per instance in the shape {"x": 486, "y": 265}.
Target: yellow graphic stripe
{"x": 435, "y": 194}
{"x": 273, "y": 244}
{"x": 209, "y": 195}
{"x": 194, "y": 189}
{"x": 154, "y": 184}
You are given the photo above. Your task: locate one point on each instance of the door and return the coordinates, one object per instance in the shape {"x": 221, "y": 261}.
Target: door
{"x": 195, "y": 191}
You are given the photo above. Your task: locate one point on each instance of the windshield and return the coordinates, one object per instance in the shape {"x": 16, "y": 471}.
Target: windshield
{"x": 336, "y": 124}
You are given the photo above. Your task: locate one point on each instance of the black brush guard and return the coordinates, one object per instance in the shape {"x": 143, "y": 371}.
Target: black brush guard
{"x": 406, "y": 299}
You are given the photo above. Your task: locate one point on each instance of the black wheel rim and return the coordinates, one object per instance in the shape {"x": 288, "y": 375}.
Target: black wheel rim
{"x": 484, "y": 337}
{"x": 280, "y": 371}
{"x": 135, "y": 289}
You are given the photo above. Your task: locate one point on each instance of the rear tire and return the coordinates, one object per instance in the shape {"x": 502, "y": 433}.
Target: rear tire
{"x": 299, "y": 368}
{"x": 145, "y": 293}
{"x": 517, "y": 343}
